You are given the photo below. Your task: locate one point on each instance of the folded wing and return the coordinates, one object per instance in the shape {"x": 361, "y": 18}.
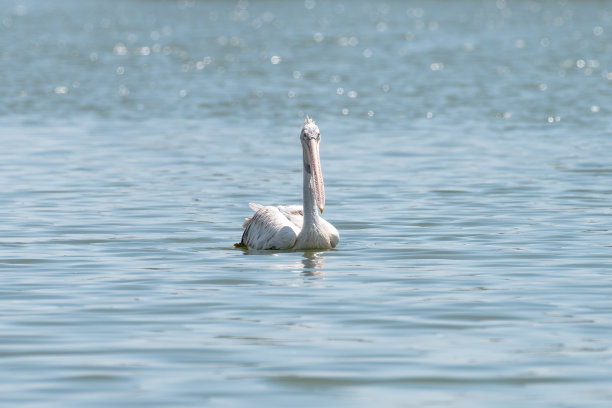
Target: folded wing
{"x": 272, "y": 227}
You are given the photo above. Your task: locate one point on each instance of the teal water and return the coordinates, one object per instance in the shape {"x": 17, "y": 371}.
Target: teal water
{"x": 466, "y": 153}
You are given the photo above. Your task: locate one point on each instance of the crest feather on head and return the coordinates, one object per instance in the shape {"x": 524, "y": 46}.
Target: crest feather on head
{"x": 308, "y": 121}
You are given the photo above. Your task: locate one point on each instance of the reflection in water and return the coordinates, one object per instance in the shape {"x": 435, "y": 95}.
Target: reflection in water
{"x": 313, "y": 264}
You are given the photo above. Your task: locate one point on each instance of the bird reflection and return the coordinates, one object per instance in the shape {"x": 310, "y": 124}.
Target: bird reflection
{"x": 312, "y": 264}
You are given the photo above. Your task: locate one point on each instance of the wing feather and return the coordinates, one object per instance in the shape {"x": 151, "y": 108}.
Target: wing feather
{"x": 255, "y": 207}
{"x": 294, "y": 213}
{"x": 269, "y": 228}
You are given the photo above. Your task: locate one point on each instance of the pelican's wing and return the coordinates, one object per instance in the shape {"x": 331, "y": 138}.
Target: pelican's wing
{"x": 269, "y": 228}
{"x": 255, "y": 207}
{"x": 294, "y": 213}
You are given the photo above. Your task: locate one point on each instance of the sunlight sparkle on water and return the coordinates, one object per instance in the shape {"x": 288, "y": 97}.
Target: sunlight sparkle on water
{"x": 61, "y": 90}
{"x": 120, "y": 49}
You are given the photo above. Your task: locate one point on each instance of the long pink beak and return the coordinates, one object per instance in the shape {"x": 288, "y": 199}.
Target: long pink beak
{"x": 312, "y": 147}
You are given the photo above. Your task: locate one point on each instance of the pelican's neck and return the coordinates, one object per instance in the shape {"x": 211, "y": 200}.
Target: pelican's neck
{"x": 311, "y": 213}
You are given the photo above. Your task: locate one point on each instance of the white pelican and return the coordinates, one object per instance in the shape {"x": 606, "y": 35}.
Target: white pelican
{"x": 294, "y": 226}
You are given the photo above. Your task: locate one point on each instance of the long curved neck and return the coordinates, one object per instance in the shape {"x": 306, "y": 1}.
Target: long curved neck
{"x": 311, "y": 214}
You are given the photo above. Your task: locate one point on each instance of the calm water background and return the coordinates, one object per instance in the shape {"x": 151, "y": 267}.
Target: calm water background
{"x": 467, "y": 157}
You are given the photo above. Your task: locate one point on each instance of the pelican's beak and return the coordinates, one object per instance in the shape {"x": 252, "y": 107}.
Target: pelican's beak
{"x": 312, "y": 150}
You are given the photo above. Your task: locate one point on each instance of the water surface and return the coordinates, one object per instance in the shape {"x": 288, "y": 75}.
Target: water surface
{"x": 466, "y": 154}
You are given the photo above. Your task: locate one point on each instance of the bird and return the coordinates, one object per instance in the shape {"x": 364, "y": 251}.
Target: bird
{"x": 295, "y": 227}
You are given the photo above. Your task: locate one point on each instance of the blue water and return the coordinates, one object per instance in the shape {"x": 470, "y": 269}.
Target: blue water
{"x": 466, "y": 153}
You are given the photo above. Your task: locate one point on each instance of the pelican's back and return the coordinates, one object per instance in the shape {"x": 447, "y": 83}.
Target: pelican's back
{"x": 270, "y": 228}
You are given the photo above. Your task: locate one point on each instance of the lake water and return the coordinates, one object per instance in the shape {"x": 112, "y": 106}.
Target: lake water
{"x": 467, "y": 159}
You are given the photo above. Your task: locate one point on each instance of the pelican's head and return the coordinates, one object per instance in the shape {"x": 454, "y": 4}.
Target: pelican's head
{"x": 310, "y": 138}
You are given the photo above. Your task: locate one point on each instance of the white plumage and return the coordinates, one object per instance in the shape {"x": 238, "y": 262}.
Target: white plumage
{"x": 294, "y": 226}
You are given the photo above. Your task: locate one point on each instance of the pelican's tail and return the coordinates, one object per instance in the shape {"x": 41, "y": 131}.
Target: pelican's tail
{"x": 246, "y": 222}
{"x": 255, "y": 207}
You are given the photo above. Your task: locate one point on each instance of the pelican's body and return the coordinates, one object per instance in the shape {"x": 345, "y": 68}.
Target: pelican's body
{"x": 294, "y": 226}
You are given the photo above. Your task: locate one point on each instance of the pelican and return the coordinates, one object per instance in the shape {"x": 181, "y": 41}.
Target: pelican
{"x": 294, "y": 226}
